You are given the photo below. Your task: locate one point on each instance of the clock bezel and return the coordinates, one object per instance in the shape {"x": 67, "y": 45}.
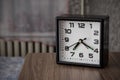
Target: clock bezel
{"x": 82, "y": 18}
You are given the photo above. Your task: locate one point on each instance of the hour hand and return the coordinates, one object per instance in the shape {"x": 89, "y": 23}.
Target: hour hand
{"x": 76, "y": 45}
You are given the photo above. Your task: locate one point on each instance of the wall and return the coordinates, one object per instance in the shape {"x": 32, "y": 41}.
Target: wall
{"x": 30, "y": 19}
{"x": 33, "y": 19}
{"x": 111, "y": 8}
{"x": 27, "y": 14}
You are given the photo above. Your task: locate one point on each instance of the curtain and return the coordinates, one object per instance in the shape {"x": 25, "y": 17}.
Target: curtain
{"x": 33, "y": 19}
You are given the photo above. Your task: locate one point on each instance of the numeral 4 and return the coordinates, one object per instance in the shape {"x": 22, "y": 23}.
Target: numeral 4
{"x": 96, "y": 50}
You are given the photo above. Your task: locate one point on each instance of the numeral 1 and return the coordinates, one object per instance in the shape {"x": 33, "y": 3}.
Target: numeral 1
{"x": 91, "y": 26}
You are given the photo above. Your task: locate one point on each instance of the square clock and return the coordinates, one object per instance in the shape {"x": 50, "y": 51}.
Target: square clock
{"x": 82, "y": 40}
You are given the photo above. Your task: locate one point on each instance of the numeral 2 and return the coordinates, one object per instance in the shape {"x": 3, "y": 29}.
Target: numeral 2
{"x": 96, "y": 32}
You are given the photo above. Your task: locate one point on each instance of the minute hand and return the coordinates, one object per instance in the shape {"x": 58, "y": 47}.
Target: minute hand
{"x": 87, "y": 45}
{"x": 73, "y": 44}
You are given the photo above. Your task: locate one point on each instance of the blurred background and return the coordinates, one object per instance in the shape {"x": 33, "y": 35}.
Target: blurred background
{"x": 28, "y": 26}
{"x": 35, "y": 19}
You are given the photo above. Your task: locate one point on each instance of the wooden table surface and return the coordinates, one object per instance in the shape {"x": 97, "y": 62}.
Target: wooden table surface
{"x": 42, "y": 66}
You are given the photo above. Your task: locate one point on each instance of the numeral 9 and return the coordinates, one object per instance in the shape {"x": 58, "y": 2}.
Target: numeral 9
{"x": 66, "y": 39}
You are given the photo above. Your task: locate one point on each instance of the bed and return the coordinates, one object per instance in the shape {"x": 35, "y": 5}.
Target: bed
{"x": 10, "y": 67}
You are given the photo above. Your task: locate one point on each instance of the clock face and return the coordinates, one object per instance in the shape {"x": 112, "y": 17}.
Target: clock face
{"x": 79, "y": 41}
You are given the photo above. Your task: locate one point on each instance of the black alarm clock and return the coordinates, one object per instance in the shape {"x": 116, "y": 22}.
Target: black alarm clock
{"x": 82, "y": 40}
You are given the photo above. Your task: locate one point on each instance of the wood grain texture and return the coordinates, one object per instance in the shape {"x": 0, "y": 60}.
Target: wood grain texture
{"x": 43, "y": 67}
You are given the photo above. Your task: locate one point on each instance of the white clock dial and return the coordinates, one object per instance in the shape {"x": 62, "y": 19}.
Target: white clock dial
{"x": 79, "y": 41}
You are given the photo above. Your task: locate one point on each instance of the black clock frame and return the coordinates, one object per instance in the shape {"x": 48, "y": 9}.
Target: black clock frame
{"x": 104, "y": 45}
